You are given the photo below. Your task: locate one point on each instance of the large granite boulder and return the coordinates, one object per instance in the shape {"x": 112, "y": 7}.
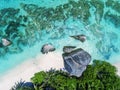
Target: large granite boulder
{"x": 47, "y": 48}
{"x": 81, "y": 37}
{"x": 76, "y": 61}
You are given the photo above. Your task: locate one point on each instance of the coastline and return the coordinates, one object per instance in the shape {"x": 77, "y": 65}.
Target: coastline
{"x": 28, "y": 68}
{"x": 102, "y": 40}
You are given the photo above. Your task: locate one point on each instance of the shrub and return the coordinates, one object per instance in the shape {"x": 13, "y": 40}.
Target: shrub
{"x": 100, "y": 75}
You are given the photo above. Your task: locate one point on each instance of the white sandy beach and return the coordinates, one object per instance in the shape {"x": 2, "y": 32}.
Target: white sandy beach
{"x": 27, "y": 69}
{"x": 118, "y": 67}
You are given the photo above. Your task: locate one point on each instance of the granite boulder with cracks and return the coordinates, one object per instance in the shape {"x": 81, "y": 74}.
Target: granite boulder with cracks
{"x": 76, "y": 61}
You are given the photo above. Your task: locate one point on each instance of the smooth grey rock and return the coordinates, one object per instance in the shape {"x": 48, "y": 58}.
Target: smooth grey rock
{"x": 68, "y": 49}
{"x": 81, "y": 37}
{"x": 5, "y": 42}
{"x": 47, "y": 48}
{"x": 76, "y": 61}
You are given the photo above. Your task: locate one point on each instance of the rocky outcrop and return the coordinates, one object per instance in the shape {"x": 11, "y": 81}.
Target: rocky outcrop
{"x": 76, "y": 61}
{"x": 81, "y": 37}
{"x": 47, "y": 48}
{"x": 68, "y": 49}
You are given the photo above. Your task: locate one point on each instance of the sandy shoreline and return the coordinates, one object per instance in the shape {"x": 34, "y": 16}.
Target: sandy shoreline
{"x": 117, "y": 65}
{"x": 27, "y": 69}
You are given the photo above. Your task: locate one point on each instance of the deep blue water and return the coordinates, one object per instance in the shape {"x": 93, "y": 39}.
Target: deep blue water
{"x": 34, "y": 23}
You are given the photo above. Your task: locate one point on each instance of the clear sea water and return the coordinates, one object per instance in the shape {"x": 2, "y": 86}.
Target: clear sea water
{"x": 103, "y": 36}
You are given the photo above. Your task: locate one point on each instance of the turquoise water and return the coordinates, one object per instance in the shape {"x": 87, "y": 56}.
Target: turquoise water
{"x": 30, "y": 24}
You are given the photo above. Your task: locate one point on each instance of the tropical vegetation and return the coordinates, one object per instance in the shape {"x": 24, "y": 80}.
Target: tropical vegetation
{"x": 100, "y": 75}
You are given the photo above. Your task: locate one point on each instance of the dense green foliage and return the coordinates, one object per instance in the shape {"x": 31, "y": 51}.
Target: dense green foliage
{"x": 100, "y": 75}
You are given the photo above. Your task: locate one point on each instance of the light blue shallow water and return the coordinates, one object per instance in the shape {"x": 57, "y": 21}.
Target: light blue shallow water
{"x": 103, "y": 38}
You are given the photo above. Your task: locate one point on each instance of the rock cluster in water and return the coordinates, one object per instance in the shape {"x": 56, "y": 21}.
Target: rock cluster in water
{"x": 76, "y": 61}
{"x": 25, "y": 29}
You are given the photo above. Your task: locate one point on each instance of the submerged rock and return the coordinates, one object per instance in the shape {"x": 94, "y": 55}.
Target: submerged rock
{"x": 47, "y": 48}
{"x": 108, "y": 45}
{"x": 68, "y": 49}
{"x": 81, "y": 37}
{"x": 76, "y": 61}
{"x": 107, "y": 50}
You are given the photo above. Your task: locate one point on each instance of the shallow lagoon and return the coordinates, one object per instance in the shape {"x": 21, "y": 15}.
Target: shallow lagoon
{"x": 53, "y": 21}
